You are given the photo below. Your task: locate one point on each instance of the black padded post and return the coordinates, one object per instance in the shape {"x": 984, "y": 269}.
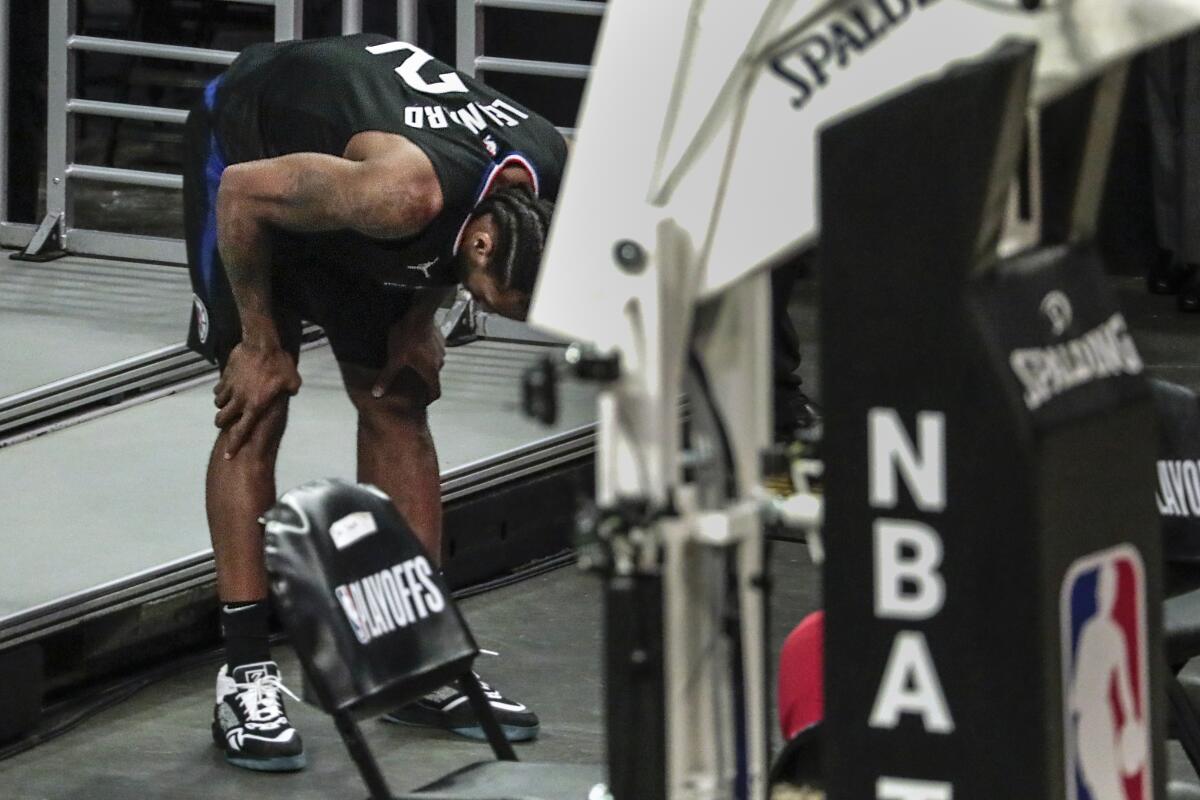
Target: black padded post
{"x": 1181, "y": 624}
{"x": 1187, "y": 727}
{"x": 636, "y": 688}
{"x": 986, "y": 474}
{"x": 22, "y": 686}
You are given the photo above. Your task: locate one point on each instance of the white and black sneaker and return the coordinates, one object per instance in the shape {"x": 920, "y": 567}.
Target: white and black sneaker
{"x": 449, "y": 709}
{"x": 249, "y": 722}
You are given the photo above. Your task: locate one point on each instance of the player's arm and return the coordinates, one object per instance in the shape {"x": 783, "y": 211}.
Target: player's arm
{"x": 390, "y": 196}
{"x": 414, "y": 342}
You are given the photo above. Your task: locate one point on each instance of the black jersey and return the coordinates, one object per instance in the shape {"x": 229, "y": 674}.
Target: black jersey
{"x": 314, "y": 95}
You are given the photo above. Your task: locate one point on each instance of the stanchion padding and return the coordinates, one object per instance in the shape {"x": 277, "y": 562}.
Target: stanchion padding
{"x": 369, "y": 615}
{"x": 1178, "y": 496}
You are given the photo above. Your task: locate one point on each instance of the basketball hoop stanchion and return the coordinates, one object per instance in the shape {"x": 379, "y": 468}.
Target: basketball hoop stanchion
{"x": 678, "y": 537}
{"x": 667, "y": 282}
{"x": 990, "y": 451}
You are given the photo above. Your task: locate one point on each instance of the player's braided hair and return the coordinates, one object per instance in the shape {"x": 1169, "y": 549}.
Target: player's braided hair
{"x": 523, "y": 221}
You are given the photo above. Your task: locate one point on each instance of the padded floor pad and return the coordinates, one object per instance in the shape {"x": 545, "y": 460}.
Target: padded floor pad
{"x": 1180, "y": 790}
{"x": 1181, "y": 620}
{"x": 513, "y": 780}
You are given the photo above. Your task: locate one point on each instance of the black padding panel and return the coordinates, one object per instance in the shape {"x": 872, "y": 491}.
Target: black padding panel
{"x": 367, "y": 611}
{"x": 1179, "y": 790}
{"x": 1017, "y": 386}
{"x": 22, "y": 685}
{"x": 1181, "y": 623}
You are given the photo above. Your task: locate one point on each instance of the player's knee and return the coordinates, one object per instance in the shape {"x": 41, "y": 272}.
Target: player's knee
{"x": 396, "y": 407}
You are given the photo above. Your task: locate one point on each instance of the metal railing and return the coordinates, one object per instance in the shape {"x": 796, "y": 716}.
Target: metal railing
{"x": 469, "y": 57}
{"x": 406, "y": 18}
{"x": 62, "y": 105}
{"x": 62, "y": 172}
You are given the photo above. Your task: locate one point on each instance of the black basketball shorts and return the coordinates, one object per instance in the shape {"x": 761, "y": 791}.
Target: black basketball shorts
{"x": 355, "y": 312}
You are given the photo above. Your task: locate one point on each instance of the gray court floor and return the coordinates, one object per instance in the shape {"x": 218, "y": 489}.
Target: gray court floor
{"x": 1168, "y": 340}
{"x": 61, "y": 318}
{"x": 547, "y": 631}
{"x": 123, "y": 493}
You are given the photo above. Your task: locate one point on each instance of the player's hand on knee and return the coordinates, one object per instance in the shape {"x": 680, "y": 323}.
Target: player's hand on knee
{"x": 421, "y": 348}
{"x": 252, "y": 381}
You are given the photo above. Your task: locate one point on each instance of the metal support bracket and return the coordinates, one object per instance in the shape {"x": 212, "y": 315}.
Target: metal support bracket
{"x": 460, "y": 325}
{"x": 46, "y": 244}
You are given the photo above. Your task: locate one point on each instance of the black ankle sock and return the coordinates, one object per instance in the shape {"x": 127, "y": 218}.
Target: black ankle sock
{"x": 246, "y": 633}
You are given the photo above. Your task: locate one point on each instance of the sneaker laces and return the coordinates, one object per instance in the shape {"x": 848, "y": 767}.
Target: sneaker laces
{"x": 488, "y": 691}
{"x": 260, "y": 698}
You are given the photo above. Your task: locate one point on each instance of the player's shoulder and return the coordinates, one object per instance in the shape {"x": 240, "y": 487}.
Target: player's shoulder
{"x": 331, "y": 55}
{"x": 391, "y": 153}
{"x": 395, "y": 167}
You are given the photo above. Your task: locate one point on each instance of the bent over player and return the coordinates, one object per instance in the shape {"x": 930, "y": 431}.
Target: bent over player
{"x": 349, "y": 182}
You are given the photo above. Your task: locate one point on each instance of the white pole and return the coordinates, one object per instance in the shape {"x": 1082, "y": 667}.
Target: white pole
{"x": 352, "y": 18}
{"x": 406, "y": 21}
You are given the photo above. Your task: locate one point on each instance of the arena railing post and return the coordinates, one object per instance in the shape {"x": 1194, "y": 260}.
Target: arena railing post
{"x": 289, "y": 19}
{"x": 406, "y": 21}
{"x": 466, "y": 36}
{"x": 60, "y": 85}
{"x": 352, "y": 16}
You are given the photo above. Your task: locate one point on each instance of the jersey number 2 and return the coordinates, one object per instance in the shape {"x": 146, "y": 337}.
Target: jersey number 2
{"x": 410, "y": 70}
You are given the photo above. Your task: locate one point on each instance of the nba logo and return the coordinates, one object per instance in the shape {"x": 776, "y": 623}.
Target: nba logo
{"x": 1106, "y": 703}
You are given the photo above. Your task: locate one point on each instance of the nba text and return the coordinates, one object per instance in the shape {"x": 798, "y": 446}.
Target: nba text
{"x": 908, "y": 583}
{"x": 1178, "y": 488}
{"x": 390, "y": 599}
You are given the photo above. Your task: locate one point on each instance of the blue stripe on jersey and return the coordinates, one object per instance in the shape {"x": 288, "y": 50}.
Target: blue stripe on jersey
{"x": 497, "y": 162}
{"x": 537, "y": 179}
{"x": 213, "y": 167}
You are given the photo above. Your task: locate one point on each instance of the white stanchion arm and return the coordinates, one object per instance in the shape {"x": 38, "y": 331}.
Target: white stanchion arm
{"x": 747, "y": 192}
{"x": 803, "y": 512}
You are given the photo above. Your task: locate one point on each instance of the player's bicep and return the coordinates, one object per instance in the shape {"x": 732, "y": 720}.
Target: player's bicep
{"x": 396, "y": 199}
{"x": 310, "y": 192}
{"x": 300, "y": 192}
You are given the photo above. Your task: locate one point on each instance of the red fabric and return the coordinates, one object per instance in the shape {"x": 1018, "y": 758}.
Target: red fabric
{"x": 801, "y": 676}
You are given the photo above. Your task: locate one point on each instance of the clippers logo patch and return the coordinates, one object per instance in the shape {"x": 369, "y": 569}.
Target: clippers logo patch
{"x": 201, "y": 319}
{"x": 1107, "y": 731}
